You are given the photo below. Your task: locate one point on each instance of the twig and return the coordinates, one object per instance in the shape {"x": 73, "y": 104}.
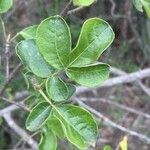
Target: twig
{"x": 22, "y": 133}
{"x": 11, "y": 76}
{"x": 3, "y": 27}
{"x": 113, "y": 124}
{"x": 19, "y": 104}
{"x": 7, "y": 45}
{"x": 93, "y": 99}
{"x": 120, "y": 72}
{"x": 75, "y": 10}
{"x": 66, "y": 8}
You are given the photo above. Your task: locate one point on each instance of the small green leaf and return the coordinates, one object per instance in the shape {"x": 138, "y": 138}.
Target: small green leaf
{"x": 90, "y": 76}
{"x": 38, "y": 116}
{"x": 29, "y": 32}
{"x": 29, "y": 54}
{"x": 138, "y": 5}
{"x": 5, "y": 5}
{"x": 58, "y": 90}
{"x": 95, "y": 37}
{"x": 48, "y": 140}
{"x": 83, "y": 2}
{"x": 54, "y": 41}
{"x": 81, "y": 129}
{"x": 56, "y": 126}
{"x": 107, "y": 147}
{"x": 142, "y": 4}
{"x": 146, "y": 4}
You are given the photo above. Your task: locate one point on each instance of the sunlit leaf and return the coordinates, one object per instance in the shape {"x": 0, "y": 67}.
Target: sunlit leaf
{"x": 81, "y": 129}
{"x": 54, "y": 41}
{"x": 92, "y": 75}
{"x": 5, "y": 5}
{"x": 95, "y": 37}
{"x": 29, "y": 32}
{"x": 83, "y": 2}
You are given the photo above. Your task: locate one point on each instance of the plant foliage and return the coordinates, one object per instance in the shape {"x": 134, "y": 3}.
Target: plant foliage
{"x": 46, "y": 51}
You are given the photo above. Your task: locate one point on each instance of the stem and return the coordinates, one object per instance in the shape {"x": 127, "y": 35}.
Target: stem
{"x": 45, "y": 97}
{"x": 66, "y": 7}
{"x": 3, "y": 27}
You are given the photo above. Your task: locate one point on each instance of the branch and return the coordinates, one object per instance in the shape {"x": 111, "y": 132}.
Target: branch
{"x": 22, "y": 133}
{"x": 11, "y": 76}
{"x": 113, "y": 124}
{"x": 131, "y": 110}
{"x": 120, "y": 73}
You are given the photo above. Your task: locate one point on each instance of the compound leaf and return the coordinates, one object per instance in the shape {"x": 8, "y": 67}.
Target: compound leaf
{"x": 89, "y": 76}
{"x": 38, "y": 116}
{"x": 95, "y": 37}
{"x": 5, "y": 5}
{"x": 54, "y": 41}
{"x": 81, "y": 129}
{"x": 28, "y": 52}
{"x": 48, "y": 140}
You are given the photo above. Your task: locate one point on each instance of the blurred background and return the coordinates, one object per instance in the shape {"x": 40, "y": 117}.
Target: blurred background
{"x": 121, "y": 106}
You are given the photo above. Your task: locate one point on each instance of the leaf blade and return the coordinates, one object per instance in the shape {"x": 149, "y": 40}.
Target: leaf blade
{"x": 48, "y": 140}
{"x": 38, "y": 116}
{"x": 5, "y": 5}
{"x": 81, "y": 129}
{"x": 54, "y": 41}
{"x": 29, "y": 32}
{"x": 90, "y": 76}
{"x": 95, "y": 37}
{"x": 28, "y": 52}
{"x": 83, "y": 2}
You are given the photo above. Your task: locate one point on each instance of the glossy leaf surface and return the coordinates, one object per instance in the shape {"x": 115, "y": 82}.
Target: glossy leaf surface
{"x": 89, "y": 76}
{"x": 29, "y": 54}
{"x": 48, "y": 140}
{"x": 95, "y": 37}
{"x": 58, "y": 90}
{"x": 54, "y": 41}
{"x": 38, "y": 116}
{"x": 29, "y": 32}
{"x": 5, "y": 5}
{"x": 56, "y": 126}
{"x": 81, "y": 129}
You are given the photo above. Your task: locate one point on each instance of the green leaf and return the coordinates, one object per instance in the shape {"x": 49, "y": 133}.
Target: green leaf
{"x": 58, "y": 90}
{"x": 81, "y": 129}
{"x": 146, "y": 4}
{"x": 142, "y": 4}
{"x": 48, "y": 140}
{"x": 90, "y": 76}
{"x": 83, "y": 2}
{"x": 29, "y": 54}
{"x": 56, "y": 126}
{"x": 5, "y": 5}
{"x": 29, "y": 32}
{"x": 95, "y": 37}
{"x": 54, "y": 41}
{"x": 38, "y": 116}
{"x": 107, "y": 147}
{"x": 138, "y": 5}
